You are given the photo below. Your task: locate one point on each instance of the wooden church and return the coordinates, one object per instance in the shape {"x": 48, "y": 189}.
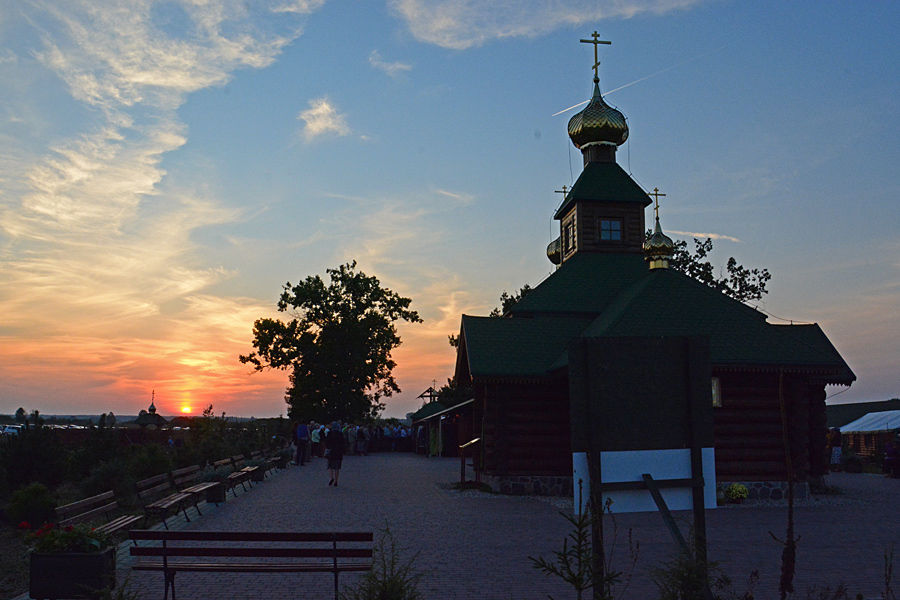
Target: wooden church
{"x": 611, "y": 283}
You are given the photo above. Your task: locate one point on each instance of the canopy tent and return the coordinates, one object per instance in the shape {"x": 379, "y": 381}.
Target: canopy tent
{"x": 888, "y": 420}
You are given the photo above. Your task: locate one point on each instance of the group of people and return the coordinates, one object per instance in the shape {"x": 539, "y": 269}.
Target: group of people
{"x": 334, "y": 441}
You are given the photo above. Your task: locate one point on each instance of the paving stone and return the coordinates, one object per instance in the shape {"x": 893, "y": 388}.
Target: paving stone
{"x": 477, "y": 546}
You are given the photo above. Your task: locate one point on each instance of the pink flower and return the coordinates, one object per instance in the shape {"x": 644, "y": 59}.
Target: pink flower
{"x": 24, "y": 525}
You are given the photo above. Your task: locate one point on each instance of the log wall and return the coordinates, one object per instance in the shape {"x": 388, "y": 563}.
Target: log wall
{"x": 526, "y": 430}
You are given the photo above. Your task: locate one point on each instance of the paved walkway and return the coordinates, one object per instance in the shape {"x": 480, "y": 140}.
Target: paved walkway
{"x": 477, "y": 546}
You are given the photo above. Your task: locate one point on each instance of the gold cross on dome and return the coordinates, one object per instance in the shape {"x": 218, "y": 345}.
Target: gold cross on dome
{"x": 563, "y": 191}
{"x": 596, "y": 42}
{"x": 655, "y": 193}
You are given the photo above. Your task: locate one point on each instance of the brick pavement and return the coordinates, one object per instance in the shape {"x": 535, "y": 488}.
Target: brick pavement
{"x": 477, "y": 547}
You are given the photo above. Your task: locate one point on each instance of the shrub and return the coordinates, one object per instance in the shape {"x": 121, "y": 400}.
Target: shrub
{"x": 32, "y": 504}
{"x": 33, "y": 455}
{"x": 390, "y": 578}
{"x": 737, "y": 491}
{"x": 111, "y": 475}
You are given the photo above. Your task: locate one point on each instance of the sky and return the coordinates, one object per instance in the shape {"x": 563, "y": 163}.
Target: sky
{"x": 167, "y": 166}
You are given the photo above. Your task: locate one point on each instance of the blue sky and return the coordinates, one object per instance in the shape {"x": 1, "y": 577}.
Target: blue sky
{"x": 165, "y": 167}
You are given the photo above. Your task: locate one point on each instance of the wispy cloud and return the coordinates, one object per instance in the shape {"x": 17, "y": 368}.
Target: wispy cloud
{"x": 461, "y": 24}
{"x": 321, "y": 118}
{"x": 714, "y": 236}
{"x": 391, "y": 68}
{"x": 104, "y": 285}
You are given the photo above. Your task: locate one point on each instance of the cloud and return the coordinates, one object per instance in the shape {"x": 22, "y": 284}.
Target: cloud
{"x": 714, "y": 236}
{"x": 321, "y": 118}
{"x": 391, "y": 68}
{"x": 461, "y": 24}
{"x": 104, "y": 286}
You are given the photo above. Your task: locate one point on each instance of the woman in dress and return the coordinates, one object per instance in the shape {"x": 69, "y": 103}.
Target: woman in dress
{"x": 334, "y": 452}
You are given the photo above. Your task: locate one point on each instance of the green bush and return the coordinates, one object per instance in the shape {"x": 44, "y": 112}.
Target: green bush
{"x": 33, "y": 455}
{"x": 33, "y": 504}
{"x": 112, "y": 475}
{"x": 390, "y": 578}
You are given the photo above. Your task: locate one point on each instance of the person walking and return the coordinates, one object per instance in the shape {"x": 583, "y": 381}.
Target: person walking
{"x": 301, "y": 440}
{"x": 334, "y": 451}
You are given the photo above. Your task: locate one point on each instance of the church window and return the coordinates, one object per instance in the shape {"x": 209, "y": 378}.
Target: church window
{"x": 610, "y": 230}
{"x": 569, "y": 237}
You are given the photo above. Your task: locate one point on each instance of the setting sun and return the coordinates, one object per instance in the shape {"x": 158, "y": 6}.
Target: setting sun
{"x": 186, "y": 409}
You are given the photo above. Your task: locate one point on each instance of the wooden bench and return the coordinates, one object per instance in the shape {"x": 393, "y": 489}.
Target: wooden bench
{"x": 230, "y": 482}
{"x": 268, "y": 462}
{"x": 159, "y": 496}
{"x": 187, "y": 481}
{"x": 240, "y": 462}
{"x": 251, "y": 552}
{"x": 239, "y": 474}
{"x": 89, "y": 508}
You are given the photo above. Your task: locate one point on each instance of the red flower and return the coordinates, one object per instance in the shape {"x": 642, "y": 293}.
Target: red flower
{"x": 24, "y": 525}
{"x": 69, "y": 528}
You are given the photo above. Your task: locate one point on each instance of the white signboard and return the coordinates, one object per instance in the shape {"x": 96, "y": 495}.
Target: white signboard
{"x": 630, "y": 466}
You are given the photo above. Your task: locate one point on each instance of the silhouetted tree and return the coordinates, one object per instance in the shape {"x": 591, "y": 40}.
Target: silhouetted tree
{"x": 337, "y": 347}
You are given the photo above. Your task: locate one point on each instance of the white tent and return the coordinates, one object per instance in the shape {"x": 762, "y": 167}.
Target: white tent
{"x": 888, "y": 420}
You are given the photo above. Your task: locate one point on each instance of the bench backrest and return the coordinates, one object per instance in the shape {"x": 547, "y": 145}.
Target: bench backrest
{"x": 327, "y": 544}
{"x": 237, "y": 461}
{"x": 225, "y": 462}
{"x": 182, "y": 478}
{"x": 84, "y": 510}
{"x": 154, "y": 486}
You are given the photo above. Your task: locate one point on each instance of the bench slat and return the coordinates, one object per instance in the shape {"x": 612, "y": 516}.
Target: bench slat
{"x": 62, "y": 511}
{"x": 252, "y": 567}
{"x": 259, "y": 552}
{"x": 251, "y": 536}
{"x": 90, "y": 514}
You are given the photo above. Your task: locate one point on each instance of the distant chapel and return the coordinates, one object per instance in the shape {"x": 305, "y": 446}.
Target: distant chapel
{"x": 611, "y": 283}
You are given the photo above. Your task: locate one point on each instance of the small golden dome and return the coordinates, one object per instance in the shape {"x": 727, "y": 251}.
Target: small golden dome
{"x": 598, "y": 123}
{"x": 658, "y": 249}
{"x": 554, "y": 252}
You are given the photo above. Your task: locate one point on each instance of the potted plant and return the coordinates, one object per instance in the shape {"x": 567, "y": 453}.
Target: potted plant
{"x": 71, "y": 562}
{"x": 258, "y": 472}
{"x": 216, "y": 494}
{"x": 283, "y": 456}
{"x": 736, "y": 493}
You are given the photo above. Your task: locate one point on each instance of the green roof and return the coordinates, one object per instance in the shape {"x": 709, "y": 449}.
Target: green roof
{"x": 509, "y": 347}
{"x": 427, "y": 410}
{"x": 669, "y": 303}
{"x": 603, "y": 182}
{"x": 616, "y": 295}
{"x": 584, "y": 285}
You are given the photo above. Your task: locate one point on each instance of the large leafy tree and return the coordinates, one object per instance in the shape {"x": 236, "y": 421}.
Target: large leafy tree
{"x": 738, "y": 282}
{"x": 337, "y": 346}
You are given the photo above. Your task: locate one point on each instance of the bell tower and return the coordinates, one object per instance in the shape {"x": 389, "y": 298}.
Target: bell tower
{"x": 604, "y": 210}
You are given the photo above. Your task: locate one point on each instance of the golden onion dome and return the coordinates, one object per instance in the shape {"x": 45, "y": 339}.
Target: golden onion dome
{"x": 598, "y": 123}
{"x": 554, "y": 252}
{"x": 658, "y": 249}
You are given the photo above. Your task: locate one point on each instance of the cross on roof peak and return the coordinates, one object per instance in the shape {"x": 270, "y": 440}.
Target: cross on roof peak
{"x": 656, "y": 194}
{"x": 596, "y": 41}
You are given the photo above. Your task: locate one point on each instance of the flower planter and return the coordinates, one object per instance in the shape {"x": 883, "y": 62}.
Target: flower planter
{"x": 71, "y": 574}
{"x": 258, "y": 474}
{"x": 282, "y": 461}
{"x": 216, "y": 494}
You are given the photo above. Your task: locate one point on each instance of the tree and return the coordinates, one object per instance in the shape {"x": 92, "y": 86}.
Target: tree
{"x": 507, "y": 301}
{"x": 337, "y": 347}
{"x": 739, "y": 283}
{"x": 20, "y": 415}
